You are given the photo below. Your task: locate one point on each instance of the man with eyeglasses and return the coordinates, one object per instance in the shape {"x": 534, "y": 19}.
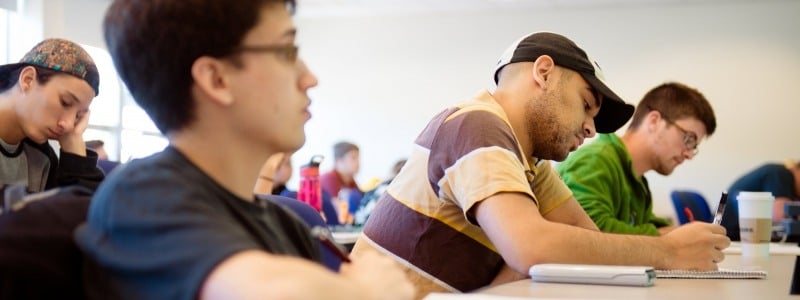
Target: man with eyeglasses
{"x": 607, "y": 176}
{"x": 223, "y": 82}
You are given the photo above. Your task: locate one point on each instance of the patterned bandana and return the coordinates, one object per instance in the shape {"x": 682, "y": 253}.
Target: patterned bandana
{"x": 64, "y": 56}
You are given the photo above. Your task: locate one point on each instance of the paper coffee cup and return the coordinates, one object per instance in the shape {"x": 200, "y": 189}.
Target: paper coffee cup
{"x": 755, "y": 222}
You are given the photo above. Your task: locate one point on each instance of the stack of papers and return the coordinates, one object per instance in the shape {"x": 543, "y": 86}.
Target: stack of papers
{"x": 718, "y": 274}
{"x": 451, "y": 296}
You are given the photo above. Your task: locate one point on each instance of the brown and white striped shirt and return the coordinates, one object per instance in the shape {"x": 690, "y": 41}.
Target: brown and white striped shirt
{"x": 466, "y": 154}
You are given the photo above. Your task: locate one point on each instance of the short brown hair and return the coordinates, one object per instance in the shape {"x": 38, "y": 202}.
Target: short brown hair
{"x": 10, "y": 78}
{"x": 340, "y": 149}
{"x": 676, "y": 101}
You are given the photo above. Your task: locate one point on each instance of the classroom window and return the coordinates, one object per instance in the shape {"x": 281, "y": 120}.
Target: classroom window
{"x": 116, "y": 118}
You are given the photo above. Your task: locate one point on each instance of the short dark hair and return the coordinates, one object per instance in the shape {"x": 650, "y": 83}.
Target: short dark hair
{"x": 340, "y": 149}
{"x": 676, "y": 101}
{"x": 155, "y": 42}
{"x": 10, "y": 78}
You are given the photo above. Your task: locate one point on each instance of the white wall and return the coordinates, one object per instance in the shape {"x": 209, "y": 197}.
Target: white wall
{"x": 82, "y": 21}
{"x": 382, "y": 78}
{"x": 77, "y": 20}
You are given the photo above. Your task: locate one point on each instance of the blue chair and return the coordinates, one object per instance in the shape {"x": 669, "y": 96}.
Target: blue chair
{"x": 329, "y": 210}
{"x": 690, "y": 206}
{"x": 331, "y": 216}
{"x": 354, "y": 201}
{"x": 312, "y": 218}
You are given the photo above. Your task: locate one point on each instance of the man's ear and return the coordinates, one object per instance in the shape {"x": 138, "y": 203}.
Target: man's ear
{"x": 210, "y": 76}
{"x": 651, "y": 120}
{"x": 27, "y": 78}
{"x": 543, "y": 67}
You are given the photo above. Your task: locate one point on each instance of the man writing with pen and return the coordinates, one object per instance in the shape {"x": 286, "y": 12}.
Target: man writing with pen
{"x": 607, "y": 176}
{"x": 478, "y": 202}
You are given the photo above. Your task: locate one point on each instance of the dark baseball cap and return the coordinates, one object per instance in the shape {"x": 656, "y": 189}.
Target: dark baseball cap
{"x": 614, "y": 112}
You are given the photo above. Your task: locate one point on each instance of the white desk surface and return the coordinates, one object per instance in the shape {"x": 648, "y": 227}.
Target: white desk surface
{"x": 776, "y": 286}
{"x": 346, "y": 237}
{"x": 774, "y": 249}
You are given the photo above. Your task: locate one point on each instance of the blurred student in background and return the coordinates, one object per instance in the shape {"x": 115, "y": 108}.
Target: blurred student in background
{"x": 102, "y": 156}
{"x": 345, "y": 167}
{"x": 782, "y": 180}
{"x": 340, "y": 182}
{"x": 283, "y": 173}
{"x": 274, "y": 174}
{"x": 371, "y": 197}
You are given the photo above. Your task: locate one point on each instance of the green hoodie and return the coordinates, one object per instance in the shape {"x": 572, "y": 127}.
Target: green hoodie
{"x": 601, "y": 177}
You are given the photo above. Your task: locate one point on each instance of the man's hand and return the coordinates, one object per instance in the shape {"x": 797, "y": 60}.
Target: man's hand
{"x": 378, "y": 276}
{"x": 72, "y": 141}
{"x": 696, "y": 246}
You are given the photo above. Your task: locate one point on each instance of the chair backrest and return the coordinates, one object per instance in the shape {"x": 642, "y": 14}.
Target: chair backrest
{"x": 38, "y": 256}
{"x": 312, "y": 218}
{"x": 690, "y": 206}
{"x": 331, "y": 215}
{"x": 329, "y": 210}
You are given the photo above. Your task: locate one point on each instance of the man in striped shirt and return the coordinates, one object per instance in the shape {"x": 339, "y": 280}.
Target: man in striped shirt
{"x": 478, "y": 202}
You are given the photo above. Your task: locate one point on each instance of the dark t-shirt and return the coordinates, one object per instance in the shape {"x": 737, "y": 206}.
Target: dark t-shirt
{"x": 46, "y": 170}
{"x": 774, "y": 178}
{"x": 159, "y": 226}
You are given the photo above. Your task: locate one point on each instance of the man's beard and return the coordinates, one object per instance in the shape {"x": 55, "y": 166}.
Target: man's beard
{"x": 543, "y": 128}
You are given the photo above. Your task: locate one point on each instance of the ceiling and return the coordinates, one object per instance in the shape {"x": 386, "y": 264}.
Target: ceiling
{"x": 314, "y": 8}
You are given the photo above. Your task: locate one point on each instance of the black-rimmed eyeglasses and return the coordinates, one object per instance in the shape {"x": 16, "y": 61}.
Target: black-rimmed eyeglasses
{"x": 286, "y": 51}
{"x": 689, "y": 138}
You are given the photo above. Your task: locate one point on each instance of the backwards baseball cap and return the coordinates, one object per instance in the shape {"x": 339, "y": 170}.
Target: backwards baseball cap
{"x": 614, "y": 112}
{"x": 62, "y": 56}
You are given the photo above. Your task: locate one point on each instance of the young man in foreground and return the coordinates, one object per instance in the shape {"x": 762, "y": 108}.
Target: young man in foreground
{"x": 222, "y": 80}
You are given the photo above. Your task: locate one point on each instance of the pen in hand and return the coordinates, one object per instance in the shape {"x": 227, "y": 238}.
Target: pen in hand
{"x": 721, "y": 208}
{"x": 324, "y": 236}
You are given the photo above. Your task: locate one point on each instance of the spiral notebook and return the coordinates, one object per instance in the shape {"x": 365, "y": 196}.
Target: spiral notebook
{"x": 718, "y": 274}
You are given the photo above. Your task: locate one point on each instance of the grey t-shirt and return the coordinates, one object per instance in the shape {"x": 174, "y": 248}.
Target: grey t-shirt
{"x": 21, "y": 163}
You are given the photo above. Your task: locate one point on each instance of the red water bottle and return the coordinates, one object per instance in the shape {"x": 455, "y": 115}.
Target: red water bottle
{"x": 310, "y": 190}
